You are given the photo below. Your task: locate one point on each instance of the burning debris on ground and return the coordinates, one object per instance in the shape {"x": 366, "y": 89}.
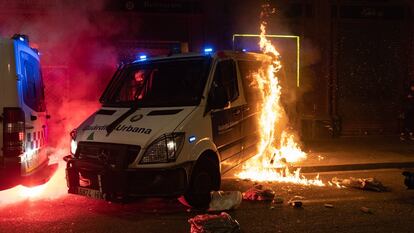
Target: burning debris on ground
{"x": 371, "y": 184}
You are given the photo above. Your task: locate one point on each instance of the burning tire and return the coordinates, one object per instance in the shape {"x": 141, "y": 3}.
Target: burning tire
{"x": 204, "y": 179}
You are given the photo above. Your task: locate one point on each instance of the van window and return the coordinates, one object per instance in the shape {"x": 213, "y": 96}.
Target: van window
{"x": 247, "y": 68}
{"x": 226, "y": 76}
{"x": 159, "y": 83}
{"x": 33, "y": 90}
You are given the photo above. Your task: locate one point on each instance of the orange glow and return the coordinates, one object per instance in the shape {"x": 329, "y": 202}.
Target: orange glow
{"x": 277, "y": 147}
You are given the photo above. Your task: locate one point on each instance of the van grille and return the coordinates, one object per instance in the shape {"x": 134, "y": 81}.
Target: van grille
{"x": 116, "y": 155}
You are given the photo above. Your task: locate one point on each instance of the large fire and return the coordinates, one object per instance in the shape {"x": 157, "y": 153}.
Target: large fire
{"x": 277, "y": 148}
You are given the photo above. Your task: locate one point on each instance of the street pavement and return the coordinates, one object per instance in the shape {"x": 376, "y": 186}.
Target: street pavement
{"x": 391, "y": 211}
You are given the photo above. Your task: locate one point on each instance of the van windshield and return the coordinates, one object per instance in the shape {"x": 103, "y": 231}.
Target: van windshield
{"x": 165, "y": 83}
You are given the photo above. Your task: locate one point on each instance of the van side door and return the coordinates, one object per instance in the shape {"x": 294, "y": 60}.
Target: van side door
{"x": 251, "y": 114}
{"x": 226, "y": 121}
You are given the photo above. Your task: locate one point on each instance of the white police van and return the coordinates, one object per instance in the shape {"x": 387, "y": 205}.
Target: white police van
{"x": 23, "y": 118}
{"x": 168, "y": 126}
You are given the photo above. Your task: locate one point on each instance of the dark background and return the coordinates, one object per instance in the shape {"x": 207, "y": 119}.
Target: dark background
{"x": 357, "y": 56}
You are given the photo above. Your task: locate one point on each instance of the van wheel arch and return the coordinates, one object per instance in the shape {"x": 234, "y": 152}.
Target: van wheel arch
{"x": 204, "y": 178}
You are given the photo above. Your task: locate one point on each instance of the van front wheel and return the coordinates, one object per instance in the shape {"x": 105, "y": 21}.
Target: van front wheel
{"x": 203, "y": 181}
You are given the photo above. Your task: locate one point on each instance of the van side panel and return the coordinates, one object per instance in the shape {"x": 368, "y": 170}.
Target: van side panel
{"x": 8, "y": 82}
{"x": 31, "y": 84}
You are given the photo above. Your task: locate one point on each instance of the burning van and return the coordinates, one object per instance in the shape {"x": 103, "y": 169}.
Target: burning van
{"x": 23, "y": 119}
{"x": 168, "y": 126}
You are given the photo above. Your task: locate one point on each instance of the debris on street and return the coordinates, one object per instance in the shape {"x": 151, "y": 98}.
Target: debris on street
{"x": 366, "y": 210}
{"x": 371, "y": 184}
{"x": 225, "y": 200}
{"x": 208, "y": 223}
{"x": 277, "y": 200}
{"x": 409, "y": 179}
{"x": 296, "y": 201}
{"x": 328, "y": 205}
{"x": 296, "y": 204}
{"x": 259, "y": 193}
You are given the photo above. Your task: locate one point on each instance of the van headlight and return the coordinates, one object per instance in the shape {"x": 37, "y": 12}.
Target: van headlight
{"x": 73, "y": 147}
{"x": 164, "y": 149}
{"x": 73, "y": 143}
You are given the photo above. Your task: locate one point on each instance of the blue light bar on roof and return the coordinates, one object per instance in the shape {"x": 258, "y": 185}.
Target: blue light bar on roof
{"x": 143, "y": 57}
{"x": 208, "y": 50}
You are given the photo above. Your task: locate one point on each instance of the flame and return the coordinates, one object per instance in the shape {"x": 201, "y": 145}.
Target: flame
{"x": 277, "y": 148}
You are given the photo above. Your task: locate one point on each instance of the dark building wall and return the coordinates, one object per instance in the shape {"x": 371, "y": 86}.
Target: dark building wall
{"x": 371, "y": 64}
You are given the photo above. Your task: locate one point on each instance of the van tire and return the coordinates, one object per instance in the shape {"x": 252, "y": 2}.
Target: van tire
{"x": 203, "y": 180}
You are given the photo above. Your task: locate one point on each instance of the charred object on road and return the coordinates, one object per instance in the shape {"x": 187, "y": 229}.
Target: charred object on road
{"x": 259, "y": 193}
{"x": 208, "y": 223}
{"x": 371, "y": 184}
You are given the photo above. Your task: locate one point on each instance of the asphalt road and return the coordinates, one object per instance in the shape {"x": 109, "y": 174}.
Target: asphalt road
{"x": 392, "y": 211}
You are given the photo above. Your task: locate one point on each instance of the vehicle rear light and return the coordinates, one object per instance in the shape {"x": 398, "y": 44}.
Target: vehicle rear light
{"x": 13, "y": 132}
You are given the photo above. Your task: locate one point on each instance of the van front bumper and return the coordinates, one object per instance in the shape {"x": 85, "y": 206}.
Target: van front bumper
{"x": 122, "y": 183}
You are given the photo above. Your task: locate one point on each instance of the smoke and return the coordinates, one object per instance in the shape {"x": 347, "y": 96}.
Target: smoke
{"x": 78, "y": 57}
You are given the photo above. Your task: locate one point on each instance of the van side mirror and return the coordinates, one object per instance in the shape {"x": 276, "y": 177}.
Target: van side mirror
{"x": 218, "y": 97}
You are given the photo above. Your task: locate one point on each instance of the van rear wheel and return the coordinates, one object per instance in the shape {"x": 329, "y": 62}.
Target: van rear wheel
{"x": 203, "y": 180}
